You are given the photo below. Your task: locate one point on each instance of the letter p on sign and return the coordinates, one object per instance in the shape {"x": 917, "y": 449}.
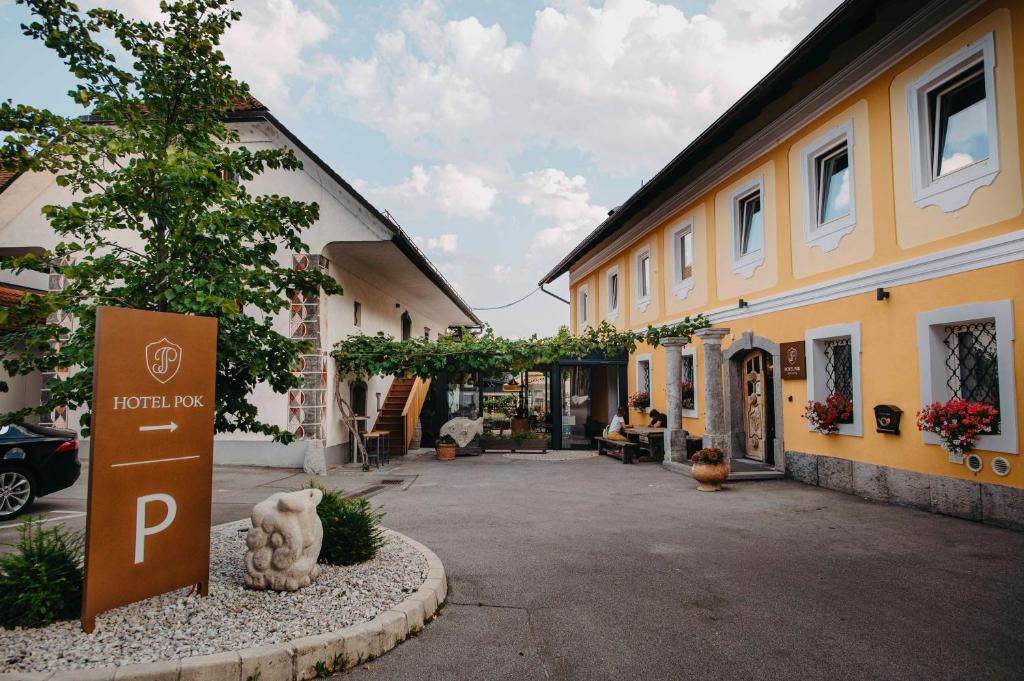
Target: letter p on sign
{"x": 142, "y": 530}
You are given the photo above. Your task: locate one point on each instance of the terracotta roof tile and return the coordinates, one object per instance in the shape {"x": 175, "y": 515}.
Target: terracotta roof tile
{"x": 248, "y": 104}
{"x": 10, "y": 296}
{"x": 5, "y": 179}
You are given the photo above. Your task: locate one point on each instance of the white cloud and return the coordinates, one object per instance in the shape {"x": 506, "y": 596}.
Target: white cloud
{"x": 502, "y": 273}
{"x": 628, "y": 83}
{"x": 445, "y": 243}
{"x": 272, "y": 48}
{"x": 550, "y": 193}
{"x": 445, "y": 188}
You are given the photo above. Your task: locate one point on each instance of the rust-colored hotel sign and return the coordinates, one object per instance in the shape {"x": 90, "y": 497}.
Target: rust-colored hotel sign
{"x": 794, "y": 361}
{"x": 151, "y": 457}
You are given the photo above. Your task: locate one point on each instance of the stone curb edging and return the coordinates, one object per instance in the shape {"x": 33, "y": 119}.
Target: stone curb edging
{"x": 292, "y": 661}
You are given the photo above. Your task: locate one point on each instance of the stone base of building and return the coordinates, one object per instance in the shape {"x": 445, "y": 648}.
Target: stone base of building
{"x": 981, "y": 501}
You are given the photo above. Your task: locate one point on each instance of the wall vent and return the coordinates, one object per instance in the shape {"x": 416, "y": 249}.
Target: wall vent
{"x": 974, "y": 463}
{"x": 1000, "y": 466}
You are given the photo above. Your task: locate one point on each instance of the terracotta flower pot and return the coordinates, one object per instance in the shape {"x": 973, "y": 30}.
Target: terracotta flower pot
{"x": 710, "y": 476}
{"x": 445, "y": 452}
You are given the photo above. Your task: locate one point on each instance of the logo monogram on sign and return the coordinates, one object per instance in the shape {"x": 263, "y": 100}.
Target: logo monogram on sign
{"x": 163, "y": 359}
{"x": 791, "y": 355}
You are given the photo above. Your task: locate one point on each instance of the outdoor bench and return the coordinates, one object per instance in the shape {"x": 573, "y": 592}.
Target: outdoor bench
{"x": 617, "y": 448}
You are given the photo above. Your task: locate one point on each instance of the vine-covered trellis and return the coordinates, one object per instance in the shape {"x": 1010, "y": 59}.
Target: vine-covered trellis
{"x": 381, "y": 355}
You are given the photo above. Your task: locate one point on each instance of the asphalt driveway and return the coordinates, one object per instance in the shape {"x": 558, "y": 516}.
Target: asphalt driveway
{"x": 594, "y": 570}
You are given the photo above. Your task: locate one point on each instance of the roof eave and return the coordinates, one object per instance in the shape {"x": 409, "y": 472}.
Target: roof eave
{"x": 398, "y": 235}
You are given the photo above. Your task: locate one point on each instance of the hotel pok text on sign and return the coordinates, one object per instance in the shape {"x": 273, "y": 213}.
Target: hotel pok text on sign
{"x": 151, "y": 457}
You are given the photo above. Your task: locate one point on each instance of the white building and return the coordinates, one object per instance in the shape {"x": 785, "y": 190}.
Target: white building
{"x": 389, "y": 284}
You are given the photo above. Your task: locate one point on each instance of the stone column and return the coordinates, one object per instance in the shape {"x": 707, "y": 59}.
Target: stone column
{"x": 675, "y": 439}
{"x": 715, "y": 426}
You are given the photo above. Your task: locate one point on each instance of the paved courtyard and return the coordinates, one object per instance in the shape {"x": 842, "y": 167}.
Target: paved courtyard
{"x": 589, "y": 569}
{"x": 594, "y": 570}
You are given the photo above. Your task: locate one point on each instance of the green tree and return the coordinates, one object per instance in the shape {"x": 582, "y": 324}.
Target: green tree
{"x": 158, "y": 220}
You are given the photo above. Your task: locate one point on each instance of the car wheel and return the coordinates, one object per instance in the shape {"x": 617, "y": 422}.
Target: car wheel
{"x": 17, "y": 491}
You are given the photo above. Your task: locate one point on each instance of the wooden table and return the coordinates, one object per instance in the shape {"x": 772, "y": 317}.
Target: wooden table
{"x": 643, "y": 434}
{"x": 377, "y": 436}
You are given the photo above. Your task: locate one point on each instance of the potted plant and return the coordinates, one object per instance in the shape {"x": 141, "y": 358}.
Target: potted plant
{"x": 445, "y": 447}
{"x": 710, "y": 469}
{"x": 826, "y": 418}
{"x": 530, "y": 442}
{"x": 490, "y": 442}
{"x": 958, "y": 424}
{"x": 639, "y": 401}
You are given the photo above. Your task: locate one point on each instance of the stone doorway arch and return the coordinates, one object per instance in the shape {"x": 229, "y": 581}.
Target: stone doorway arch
{"x": 734, "y": 393}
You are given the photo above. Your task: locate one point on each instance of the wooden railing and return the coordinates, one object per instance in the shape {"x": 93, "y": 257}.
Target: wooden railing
{"x": 413, "y": 406}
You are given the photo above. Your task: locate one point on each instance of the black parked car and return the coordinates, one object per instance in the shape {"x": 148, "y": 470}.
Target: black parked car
{"x": 34, "y": 461}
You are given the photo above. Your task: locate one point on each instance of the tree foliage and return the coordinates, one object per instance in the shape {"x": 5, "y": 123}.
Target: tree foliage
{"x": 382, "y": 355}
{"x": 158, "y": 219}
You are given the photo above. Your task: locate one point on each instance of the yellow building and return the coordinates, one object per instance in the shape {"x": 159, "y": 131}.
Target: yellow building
{"x": 862, "y": 203}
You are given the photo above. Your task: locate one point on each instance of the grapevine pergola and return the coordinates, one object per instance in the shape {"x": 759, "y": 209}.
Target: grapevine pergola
{"x": 381, "y": 355}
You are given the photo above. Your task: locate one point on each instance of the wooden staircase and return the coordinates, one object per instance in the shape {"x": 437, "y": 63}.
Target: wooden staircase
{"x": 391, "y": 417}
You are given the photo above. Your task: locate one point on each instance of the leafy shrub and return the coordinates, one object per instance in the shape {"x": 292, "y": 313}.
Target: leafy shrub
{"x": 352, "y": 531}
{"x": 41, "y": 581}
{"x": 446, "y": 440}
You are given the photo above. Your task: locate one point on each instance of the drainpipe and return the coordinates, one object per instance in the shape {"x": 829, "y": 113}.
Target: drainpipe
{"x": 555, "y": 296}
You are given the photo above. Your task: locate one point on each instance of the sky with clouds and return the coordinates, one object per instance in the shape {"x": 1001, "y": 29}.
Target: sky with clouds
{"x": 497, "y": 132}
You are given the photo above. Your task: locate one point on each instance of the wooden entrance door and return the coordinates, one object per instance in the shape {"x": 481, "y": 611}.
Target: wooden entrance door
{"x": 755, "y": 413}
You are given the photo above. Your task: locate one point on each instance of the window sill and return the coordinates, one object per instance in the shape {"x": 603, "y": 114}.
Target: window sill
{"x": 682, "y": 288}
{"x": 1002, "y": 443}
{"x": 952, "y": 193}
{"x": 827, "y": 237}
{"x": 643, "y": 304}
{"x": 847, "y": 429}
{"x": 690, "y": 414}
{"x": 746, "y": 265}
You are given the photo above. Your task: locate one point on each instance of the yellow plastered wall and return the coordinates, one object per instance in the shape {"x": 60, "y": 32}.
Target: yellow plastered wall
{"x": 889, "y": 229}
{"x": 890, "y": 368}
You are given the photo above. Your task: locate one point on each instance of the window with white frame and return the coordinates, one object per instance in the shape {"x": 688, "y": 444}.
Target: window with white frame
{"x": 966, "y": 353}
{"x": 643, "y": 277}
{"x": 613, "y": 291}
{"x": 643, "y": 374}
{"x": 829, "y": 206}
{"x": 682, "y": 259}
{"x": 833, "y": 367}
{"x": 583, "y": 302}
{"x": 953, "y": 133}
{"x": 688, "y": 392}
{"x": 747, "y": 218}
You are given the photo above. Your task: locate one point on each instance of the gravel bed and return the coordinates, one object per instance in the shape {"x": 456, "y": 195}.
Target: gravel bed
{"x": 552, "y": 456}
{"x": 232, "y": 617}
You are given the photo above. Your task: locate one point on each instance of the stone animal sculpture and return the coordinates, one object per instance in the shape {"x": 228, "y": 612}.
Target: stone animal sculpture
{"x": 284, "y": 542}
{"x": 463, "y": 429}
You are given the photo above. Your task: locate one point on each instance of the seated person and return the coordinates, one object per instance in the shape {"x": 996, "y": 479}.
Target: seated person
{"x": 614, "y": 429}
{"x": 658, "y": 420}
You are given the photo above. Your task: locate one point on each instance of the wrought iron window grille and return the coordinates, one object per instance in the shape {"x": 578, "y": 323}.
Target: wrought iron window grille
{"x": 972, "y": 363}
{"x": 839, "y": 369}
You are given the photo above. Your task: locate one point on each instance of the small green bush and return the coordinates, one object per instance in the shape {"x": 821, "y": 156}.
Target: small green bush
{"x": 41, "y": 581}
{"x": 352, "y": 531}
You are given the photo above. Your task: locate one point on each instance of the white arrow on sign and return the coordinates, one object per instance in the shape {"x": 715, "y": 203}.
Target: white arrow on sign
{"x": 172, "y": 426}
